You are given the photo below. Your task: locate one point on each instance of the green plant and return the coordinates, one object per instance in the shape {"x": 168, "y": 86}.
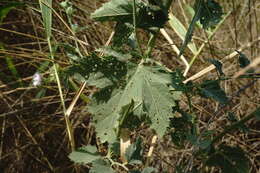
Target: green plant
{"x": 135, "y": 89}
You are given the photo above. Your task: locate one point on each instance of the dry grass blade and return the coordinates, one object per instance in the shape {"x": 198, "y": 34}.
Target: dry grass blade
{"x": 175, "y": 48}
{"x": 212, "y": 67}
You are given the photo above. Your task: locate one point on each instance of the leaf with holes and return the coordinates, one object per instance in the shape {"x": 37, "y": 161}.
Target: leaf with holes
{"x": 99, "y": 72}
{"x": 149, "y": 89}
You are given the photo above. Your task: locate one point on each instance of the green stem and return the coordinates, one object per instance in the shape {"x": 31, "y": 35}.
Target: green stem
{"x": 116, "y": 163}
{"x": 68, "y": 123}
{"x": 135, "y": 31}
{"x": 236, "y": 125}
{"x": 150, "y": 45}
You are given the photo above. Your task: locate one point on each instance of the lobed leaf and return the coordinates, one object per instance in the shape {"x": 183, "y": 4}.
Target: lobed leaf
{"x": 181, "y": 31}
{"x": 148, "y": 88}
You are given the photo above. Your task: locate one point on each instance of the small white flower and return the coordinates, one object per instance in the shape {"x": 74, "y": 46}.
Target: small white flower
{"x": 37, "y": 79}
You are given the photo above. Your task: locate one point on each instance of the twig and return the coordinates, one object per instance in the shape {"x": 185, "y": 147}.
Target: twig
{"x": 151, "y": 149}
{"x": 175, "y": 48}
{"x": 212, "y": 67}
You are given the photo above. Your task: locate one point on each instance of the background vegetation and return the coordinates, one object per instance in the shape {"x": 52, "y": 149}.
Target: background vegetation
{"x": 34, "y": 129}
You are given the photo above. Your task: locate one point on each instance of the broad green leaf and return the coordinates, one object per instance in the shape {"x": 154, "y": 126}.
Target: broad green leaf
{"x": 218, "y": 65}
{"x": 6, "y": 8}
{"x": 100, "y": 166}
{"x": 46, "y": 11}
{"x": 86, "y": 154}
{"x": 242, "y": 59}
{"x": 229, "y": 160}
{"x": 150, "y": 16}
{"x": 134, "y": 152}
{"x": 211, "y": 89}
{"x": 114, "y": 10}
{"x": 149, "y": 88}
{"x": 181, "y": 31}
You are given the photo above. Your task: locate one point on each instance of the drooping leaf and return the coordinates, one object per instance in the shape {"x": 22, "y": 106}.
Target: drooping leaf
{"x": 242, "y": 59}
{"x": 46, "y": 11}
{"x": 134, "y": 152}
{"x": 218, "y": 65}
{"x": 86, "y": 154}
{"x": 6, "y": 8}
{"x": 229, "y": 160}
{"x": 149, "y": 88}
{"x": 196, "y": 17}
{"x": 181, "y": 31}
{"x": 100, "y": 166}
{"x": 209, "y": 13}
{"x": 211, "y": 89}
